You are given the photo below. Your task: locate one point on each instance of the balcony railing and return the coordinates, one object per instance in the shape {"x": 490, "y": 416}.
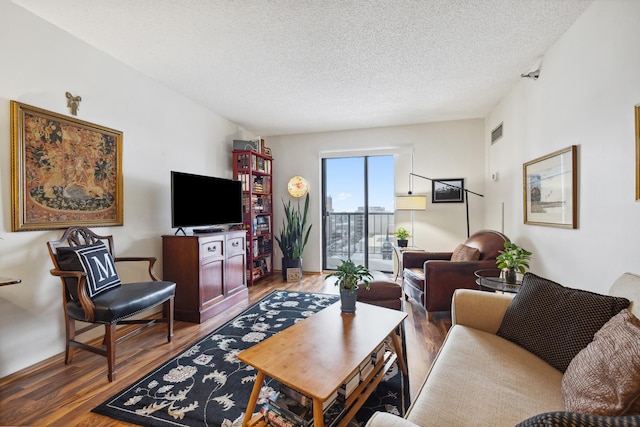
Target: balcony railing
{"x": 346, "y": 239}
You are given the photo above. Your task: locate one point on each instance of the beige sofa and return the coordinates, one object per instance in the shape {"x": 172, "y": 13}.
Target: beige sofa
{"x": 481, "y": 379}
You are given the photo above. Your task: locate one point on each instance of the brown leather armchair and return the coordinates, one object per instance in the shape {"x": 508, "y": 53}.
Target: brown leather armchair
{"x": 432, "y": 277}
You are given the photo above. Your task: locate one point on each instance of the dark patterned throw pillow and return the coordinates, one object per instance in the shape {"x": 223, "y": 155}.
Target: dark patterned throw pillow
{"x": 555, "y": 322}
{"x": 96, "y": 261}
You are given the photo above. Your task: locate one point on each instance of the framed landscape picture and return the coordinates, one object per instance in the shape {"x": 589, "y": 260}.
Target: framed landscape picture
{"x": 64, "y": 171}
{"x": 550, "y": 189}
{"x": 447, "y": 190}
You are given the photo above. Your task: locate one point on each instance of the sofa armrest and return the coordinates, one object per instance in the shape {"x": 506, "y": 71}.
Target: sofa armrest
{"x": 479, "y": 309}
{"x": 385, "y": 419}
{"x": 416, "y": 259}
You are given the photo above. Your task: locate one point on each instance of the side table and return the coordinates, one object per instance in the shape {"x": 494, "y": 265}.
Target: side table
{"x": 490, "y": 279}
{"x": 398, "y": 250}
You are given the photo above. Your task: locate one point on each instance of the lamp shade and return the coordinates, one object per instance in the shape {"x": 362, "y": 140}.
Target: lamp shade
{"x": 411, "y": 203}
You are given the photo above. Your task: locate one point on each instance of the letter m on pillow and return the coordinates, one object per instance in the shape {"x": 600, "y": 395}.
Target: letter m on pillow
{"x": 106, "y": 269}
{"x": 99, "y": 266}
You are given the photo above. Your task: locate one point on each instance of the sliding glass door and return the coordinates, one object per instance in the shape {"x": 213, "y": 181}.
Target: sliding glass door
{"x": 358, "y": 211}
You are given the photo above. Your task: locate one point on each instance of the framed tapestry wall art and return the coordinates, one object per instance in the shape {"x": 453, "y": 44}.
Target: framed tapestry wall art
{"x": 550, "y": 189}
{"x": 64, "y": 171}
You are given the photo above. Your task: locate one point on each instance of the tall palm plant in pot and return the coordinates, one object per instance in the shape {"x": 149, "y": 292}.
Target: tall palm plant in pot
{"x": 293, "y": 235}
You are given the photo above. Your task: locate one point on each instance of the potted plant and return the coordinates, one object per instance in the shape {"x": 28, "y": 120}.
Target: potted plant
{"x": 513, "y": 260}
{"x": 349, "y": 277}
{"x": 403, "y": 237}
{"x": 293, "y": 236}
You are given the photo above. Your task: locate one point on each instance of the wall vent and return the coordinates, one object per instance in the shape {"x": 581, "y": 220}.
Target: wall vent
{"x": 496, "y": 134}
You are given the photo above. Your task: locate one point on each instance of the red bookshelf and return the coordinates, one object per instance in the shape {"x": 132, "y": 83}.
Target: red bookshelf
{"x": 254, "y": 170}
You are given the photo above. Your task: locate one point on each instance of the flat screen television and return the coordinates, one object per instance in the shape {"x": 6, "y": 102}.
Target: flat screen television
{"x": 204, "y": 201}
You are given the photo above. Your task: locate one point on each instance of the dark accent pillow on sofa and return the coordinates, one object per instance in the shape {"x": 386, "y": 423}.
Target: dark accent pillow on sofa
{"x": 96, "y": 261}
{"x": 572, "y": 419}
{"x": 554, "y": 322}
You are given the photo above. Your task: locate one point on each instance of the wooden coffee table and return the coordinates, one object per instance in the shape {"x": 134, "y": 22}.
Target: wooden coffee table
{"x": 317, "y": 355}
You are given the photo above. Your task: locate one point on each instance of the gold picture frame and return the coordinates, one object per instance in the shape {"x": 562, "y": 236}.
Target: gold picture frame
{"x": 637, "y": 109}
{"x": 64, "y": 171}
{"x": 550, "y": 185}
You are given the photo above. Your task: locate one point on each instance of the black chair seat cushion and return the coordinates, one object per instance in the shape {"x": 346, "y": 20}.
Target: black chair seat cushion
{"x": 125, "y": 301}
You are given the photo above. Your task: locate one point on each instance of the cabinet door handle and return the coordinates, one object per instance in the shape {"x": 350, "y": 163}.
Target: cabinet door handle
{"x": 235, "y": 244}
{"x": 212, "y": 249}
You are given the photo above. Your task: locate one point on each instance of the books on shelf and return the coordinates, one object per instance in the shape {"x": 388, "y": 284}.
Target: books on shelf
{"x": 257, "y": 163}
{"x": 296, "y": 395}
{"x": 262, "y": 244}
{"x": 286, "y": 408}
{"x": 352, "y": 383}
{"x": 305, "y": 400}
{"x": 259, "y": 203}
{"x": 252, "y": 167}
{"x": 289, "y": 408}
{"x": 274, "y": 418}
{"x": 261, "y": 224}
{"x": 378, "y": 354}
{"x": 366, "y": 368}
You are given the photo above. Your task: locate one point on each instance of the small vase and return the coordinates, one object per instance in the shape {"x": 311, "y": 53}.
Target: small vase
{"x": 403, "y": 243}
{"x": 510, "y": 276}
{"x": 348, "y": 300}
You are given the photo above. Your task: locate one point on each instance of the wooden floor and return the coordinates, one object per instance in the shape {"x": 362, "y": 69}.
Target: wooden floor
{"x": 54, "y": 394}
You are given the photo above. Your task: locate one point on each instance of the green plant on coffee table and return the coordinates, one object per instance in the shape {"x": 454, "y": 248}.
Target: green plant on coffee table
{"x": 513, "y": 258}
{"x": 349, "y": 275}
{"x": 402, "y": 234}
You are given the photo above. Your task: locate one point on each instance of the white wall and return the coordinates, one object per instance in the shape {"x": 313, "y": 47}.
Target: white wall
{"x": 163, "y": 131}
{"x": 441, "y": 150}
{"x": 585, "y": 96}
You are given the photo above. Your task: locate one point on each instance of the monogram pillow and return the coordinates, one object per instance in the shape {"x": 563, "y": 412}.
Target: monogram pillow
{"x": 96, "y": 261}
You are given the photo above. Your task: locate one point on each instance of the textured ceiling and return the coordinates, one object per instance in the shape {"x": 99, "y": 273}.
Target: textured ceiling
{"x": 296, "y": 66}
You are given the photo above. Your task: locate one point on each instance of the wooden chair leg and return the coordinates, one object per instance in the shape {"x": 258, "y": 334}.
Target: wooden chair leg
{"x": 71, "y": 335}
{"x": 167, "y": 308}
{"x": 110, "y": 339}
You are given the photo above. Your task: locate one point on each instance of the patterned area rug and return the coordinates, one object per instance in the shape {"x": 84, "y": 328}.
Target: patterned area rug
{"x": 207, "y": 385}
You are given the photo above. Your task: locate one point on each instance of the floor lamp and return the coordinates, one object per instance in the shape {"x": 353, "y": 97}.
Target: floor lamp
{"x": 466, "y": 199}
{"x": 411, "y": 202}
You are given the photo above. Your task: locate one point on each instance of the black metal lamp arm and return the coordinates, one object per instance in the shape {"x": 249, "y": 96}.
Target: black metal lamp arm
{"x": 466, "y": 199}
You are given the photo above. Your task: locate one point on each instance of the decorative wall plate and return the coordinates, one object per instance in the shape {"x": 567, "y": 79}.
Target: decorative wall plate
{"x": 297, "y": 186}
